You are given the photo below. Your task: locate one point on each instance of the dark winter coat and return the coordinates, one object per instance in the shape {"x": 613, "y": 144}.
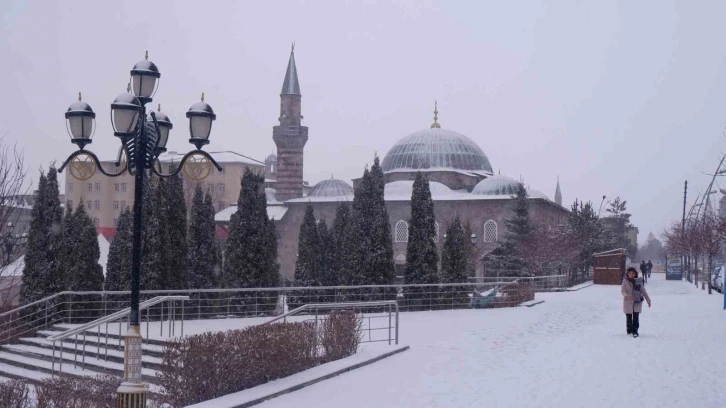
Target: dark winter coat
{"x": 626, "y": 289}
{"x": 649, "y": 266}
{"x": 643, "y": 267}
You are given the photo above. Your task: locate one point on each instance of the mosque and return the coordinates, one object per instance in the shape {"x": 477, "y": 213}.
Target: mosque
{"x": 460, "y": 176}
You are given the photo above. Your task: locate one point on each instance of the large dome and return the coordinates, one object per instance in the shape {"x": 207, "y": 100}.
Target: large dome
{"x": 332, "y": 188}
{"x": 436, "y": 148}
{"x": 497, "y": 185}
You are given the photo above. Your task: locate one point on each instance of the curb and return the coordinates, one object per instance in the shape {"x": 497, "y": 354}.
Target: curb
{"x": 580, "y": 288}
{"x": 526, "y": 304}
{"x": 316, "y": 380}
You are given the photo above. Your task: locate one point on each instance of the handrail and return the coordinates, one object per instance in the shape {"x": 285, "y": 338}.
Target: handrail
{"x": 113, "y": 316}
{"x": 341, "y": 305}
{"x": 272, "y": 289}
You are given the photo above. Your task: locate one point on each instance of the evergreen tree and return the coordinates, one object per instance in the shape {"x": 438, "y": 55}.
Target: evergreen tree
{"x": 421, "y": 253}
{"x": 381, "y": 268}
{"x": 617, "y": 224}
{"x": 586, "y": 229}
{"x": 70, "y": 241}
{"x": 339, "y": 245}
{"x": 327, "y": 278}
{"x": 43, "y": 253}
{"x": 202, "y": 246}
{"x": 176, "y": 222}
{"x": 455, "y": 254}
{"x": 249, "y": 259}
{"x": 358, "y": 238}
{"x": 509, "y": 258}
{"x": 118, "y": 266}
{"x": 155, "y": 255}
{"x": 308, "y": 265}
{"x": 271, "y": 277}
{"x": 85, "y": 274}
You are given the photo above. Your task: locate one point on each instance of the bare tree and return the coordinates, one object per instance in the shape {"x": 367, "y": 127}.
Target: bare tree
{"x": 711, "y": 235}
{"x": 15, "y": 207}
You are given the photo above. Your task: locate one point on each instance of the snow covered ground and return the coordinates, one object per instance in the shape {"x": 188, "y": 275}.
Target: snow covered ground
{"x": 571, "y": 351}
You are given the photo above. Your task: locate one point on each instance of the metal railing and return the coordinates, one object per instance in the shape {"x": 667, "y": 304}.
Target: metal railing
{"x": 85, "y": 329}
{"x": 83, "y": 307}
{"x": 389, "y": 307}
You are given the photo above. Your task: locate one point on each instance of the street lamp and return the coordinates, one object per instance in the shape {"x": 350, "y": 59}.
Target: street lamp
{"x": 143, "y": 138}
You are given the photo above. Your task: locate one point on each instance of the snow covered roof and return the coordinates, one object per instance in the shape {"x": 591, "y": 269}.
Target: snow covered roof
{"x": 537, "y": 194}
{"x": 274, "y": 212}
{"x": 104, "y": 248}
{"x": 496, "y": 185}
{"x": 403, "y": 189}
{"x": 331, "y": 188}
{"x": 226, "y": 156}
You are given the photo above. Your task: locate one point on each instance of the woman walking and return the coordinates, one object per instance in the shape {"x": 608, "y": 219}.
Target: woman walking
{"x": 633, "y": 293}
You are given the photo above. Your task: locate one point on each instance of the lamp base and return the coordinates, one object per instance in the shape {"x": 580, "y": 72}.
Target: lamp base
{"x": 132, "y": 392}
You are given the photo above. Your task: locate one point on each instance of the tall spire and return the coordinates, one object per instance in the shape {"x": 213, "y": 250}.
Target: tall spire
{"x": 291, "y": 86}
{"x": 436, "y": 116}
{"x": 558, "y": 193}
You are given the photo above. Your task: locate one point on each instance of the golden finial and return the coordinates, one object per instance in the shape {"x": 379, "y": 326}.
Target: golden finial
{"x": 79, "y": 96}
{"x": 436, "y": 116}
{"x": 146, "y": 54}
{"x": 202, "y": 96}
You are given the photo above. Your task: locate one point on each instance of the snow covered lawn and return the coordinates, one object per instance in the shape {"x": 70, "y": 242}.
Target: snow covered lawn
{"x": 571, "y": 351}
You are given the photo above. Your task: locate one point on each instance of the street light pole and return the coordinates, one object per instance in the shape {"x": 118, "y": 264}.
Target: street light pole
{"x": 142, "y": 139}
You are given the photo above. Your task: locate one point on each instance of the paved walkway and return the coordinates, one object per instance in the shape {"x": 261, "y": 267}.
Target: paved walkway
{"x": 571, "y": 351}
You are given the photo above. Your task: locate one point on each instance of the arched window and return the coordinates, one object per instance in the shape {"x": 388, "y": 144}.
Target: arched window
{"x": 436, "y": 229}
{"x": 490, "y": 231}
{"x": 401, "y": 231}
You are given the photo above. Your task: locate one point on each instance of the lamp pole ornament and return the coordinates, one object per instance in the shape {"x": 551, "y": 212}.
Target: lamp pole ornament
{"x": 142, "y": 140}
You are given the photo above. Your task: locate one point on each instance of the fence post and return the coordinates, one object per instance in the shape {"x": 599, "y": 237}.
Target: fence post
{"x": 389, "y": 325}
{"x": 70, "y": 309}
{"x": 199, "y": 306}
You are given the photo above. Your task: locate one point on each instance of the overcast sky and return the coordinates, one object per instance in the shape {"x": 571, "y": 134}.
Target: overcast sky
{"x": 617, "y": 98}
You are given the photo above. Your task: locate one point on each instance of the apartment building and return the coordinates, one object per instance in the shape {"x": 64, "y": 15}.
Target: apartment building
{"x": 105, "y": 197}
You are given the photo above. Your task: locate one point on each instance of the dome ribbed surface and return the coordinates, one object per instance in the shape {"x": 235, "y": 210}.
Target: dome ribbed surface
{"x": 332, "y": 188}
{"x": 436, "y": 148}
{"x": 497, "y": 185}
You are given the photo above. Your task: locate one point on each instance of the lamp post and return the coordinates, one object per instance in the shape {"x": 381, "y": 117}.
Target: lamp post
{"x": 474, "y": 250}
{"x": 143, "y": 138}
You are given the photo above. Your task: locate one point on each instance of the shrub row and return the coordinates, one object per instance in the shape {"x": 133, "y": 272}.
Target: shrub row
{"x": 206, "y": 366}
{"x": 63, "y": 392}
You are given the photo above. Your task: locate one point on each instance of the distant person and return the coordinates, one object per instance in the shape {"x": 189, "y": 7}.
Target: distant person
{"x": 644, "y": 270}
{"x": 633, "y": 293}
{"x": 649, "y": 267}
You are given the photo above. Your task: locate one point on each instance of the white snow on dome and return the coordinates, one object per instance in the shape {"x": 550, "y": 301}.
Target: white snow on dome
{"x": 537, "y": 194}
{"x": 332, "y": 188}
{"x": 496, "y": 185}
{"x": 404, "y": 188}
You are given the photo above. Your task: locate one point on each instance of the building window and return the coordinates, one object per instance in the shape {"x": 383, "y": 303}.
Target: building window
{"x": 123, "y": 187}
{"x": 115, "y": 205}
{"x": 123, "y": 205}
{"x": 70, "y": 187}
{"x": 115, "y": 187}
{"x": 95, "y": 222}
{"x": 222, "y": 169}
{"x": 401, "y": 231}
{"x": 98, "y": 187}
{"x": 220, "y": 188}
{"x": 90, "y": 187}
{"x": 69, "y": 205}
{"x": 97, "y": 205}
{"x": 490, "y": 231}
{"x": 115, "y": 222}
{"x": 88, "y": 205}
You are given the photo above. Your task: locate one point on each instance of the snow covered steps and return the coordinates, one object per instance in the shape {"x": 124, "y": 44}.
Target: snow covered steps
{"x": 31, "y": 358}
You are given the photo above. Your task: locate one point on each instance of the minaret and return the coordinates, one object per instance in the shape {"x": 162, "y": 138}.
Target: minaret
{"x": 290, "y": 137}
{"x": 558, "y": 193}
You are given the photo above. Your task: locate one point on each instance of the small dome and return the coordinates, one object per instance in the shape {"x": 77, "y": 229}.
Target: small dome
{"x": 404, "y": 189}
{"x": 271, "y": 158}
{"x": 436, "y": 148}
{"x": 537, "y": 194}
{"x": 497, "y": 185}
{"x": 332, "y": 188}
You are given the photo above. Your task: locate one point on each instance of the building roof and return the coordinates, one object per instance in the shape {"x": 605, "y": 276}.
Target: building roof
{"x": 291, "y": 85}
{"x": 496, "y": 185}
{"x": 331, "y": 188}
{"x": 537, "y": 194}
{"x": 226, "y": 156}
{"x": 436, "y": 149}
{"x": 274, "y": 212}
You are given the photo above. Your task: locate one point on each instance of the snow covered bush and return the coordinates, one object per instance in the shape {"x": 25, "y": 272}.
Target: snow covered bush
{"x": 210, "y": 365}
{"x": 14, "y": 394}
{"x": 340, "y": 335}
{"x": 515, "y": 294}
{"x": 72, "y": 392}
